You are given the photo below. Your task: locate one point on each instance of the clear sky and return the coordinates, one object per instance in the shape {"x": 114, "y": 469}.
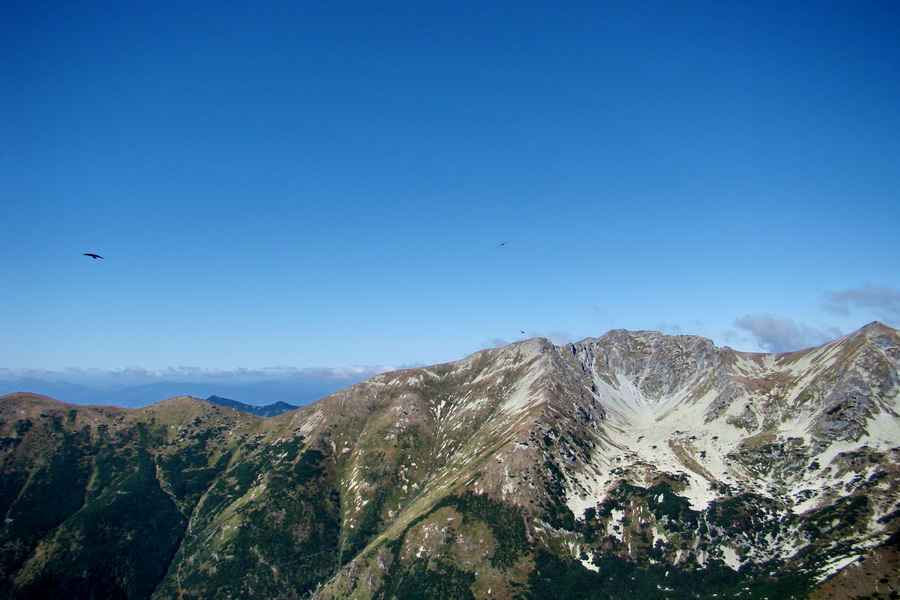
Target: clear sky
{"x": 310, "y": 184}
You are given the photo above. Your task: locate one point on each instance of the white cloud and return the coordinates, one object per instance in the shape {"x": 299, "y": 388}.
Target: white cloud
{"x": 775, "y": 334}
{"x": 350, "y": 372}
{"x": 669, "y": 328}
{"x": 134, "y": 371}
{"x": 135, "y": 374}
{"x": 882, "y": 302}
{"x": 494, "y": 343}
{"x": 558, "y": 338}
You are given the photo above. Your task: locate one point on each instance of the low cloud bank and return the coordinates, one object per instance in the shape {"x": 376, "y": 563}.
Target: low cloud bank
{"x": 135, "y": 374}
{"x": 882, "y": 302}
{"x": 133, "y": 386}
{"x": 774, "y": 334}
{"x": 859, "y": 305}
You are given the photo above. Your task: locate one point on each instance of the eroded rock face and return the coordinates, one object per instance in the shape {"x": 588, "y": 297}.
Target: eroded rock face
{"x": 657, "y": 364}
{"x": 631, "y": 465}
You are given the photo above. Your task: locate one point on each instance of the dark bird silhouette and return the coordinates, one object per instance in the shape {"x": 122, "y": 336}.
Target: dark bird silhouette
{"x": 503, "y": 244}
{"x": 94, "y": 256}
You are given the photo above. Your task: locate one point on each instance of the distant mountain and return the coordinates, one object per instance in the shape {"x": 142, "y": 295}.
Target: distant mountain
{"x": 297, "y": 393}
{"x": 68, "y": 392}
{"x": 269, "y": 410}
{"x": 634, "y": 465}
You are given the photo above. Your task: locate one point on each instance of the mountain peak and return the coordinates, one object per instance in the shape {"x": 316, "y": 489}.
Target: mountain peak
{"x": 878, "y": 329}
{"x": 877, "y": 326}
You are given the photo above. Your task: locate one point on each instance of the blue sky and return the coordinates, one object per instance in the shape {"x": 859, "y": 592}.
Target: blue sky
{"x": 308, "y": 186}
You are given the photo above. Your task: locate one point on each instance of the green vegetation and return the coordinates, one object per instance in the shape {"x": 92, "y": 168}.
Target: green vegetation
{"x": 617, "y": 578}
{"x": 507, "y": 523}
{"x": 441, "y": 577}
{"x": 122, "y": 541}
{"x": 54, "y": 492}
{"x": 289, "y": 542}
{"x": 430, "y": 580}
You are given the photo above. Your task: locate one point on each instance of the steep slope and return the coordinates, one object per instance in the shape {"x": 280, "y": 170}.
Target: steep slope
{"x": 635, "y": 464}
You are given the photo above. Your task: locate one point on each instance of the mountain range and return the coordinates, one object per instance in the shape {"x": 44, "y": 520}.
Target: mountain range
{"x": 269, "y": 410}
{"x": 297, "y": 392}
{"x": 634, "y": 465}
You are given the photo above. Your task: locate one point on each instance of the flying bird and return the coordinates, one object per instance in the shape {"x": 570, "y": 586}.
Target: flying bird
{"x": 94, "y": 256}
{"x": 503, "y": 244}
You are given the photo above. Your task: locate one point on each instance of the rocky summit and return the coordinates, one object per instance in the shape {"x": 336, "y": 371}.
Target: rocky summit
{"x": 634, "y": 465}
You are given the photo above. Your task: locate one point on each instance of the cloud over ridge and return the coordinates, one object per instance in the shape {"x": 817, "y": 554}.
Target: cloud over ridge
{"x": 884, "y": 302}
{"x": 775, "y": 334}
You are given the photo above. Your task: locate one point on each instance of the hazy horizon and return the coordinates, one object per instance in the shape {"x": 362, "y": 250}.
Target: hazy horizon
{"x": 282, "y": 381}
